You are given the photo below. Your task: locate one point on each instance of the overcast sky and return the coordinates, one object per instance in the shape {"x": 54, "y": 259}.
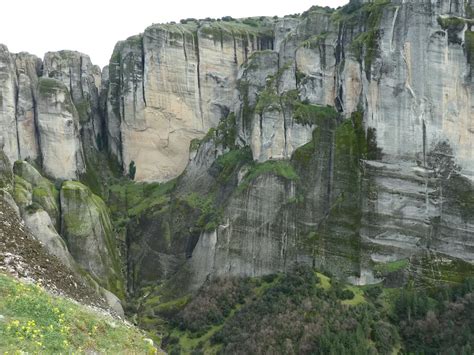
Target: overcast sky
{"x": 94, "y": 26}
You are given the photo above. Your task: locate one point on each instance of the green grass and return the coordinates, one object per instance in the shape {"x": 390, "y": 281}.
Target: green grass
{"x": 391, "y": 266}
{"x": 37, "y": 322}
{"x": 358, "y": 296}
{"x": 235, "y": 28}
{"x": 187, "y": 343}
{"x": 324, "y": 281}
{"x": 451, "y": 23}
{"x": 281, "y": 168}
{"x": 210, "y": 216}
{"x": 135, "y": 198}
{"x": 228, "y": 162}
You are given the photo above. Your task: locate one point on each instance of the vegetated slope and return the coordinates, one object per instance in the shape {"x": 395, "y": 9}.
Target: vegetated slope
{"x": 23, "y": 256}
{"x": 34, "y": 321}
{"x": 306, "y": 312}
{"x": 40, "y": 314}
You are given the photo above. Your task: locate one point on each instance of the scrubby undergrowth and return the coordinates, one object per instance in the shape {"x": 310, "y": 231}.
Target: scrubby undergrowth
{"x": 307, "y": 312}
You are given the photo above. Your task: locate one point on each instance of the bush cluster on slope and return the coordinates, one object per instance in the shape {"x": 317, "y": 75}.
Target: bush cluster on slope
{"x": 304, "y": 312}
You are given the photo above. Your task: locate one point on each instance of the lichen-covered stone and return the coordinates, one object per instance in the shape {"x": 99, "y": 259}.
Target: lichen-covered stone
{"x": 86, "y": 227}
{"x": 6, "y": 174}
{"x": 28, "y": 69}
{"x": 44, "y": 193}
{"x": 23, "y": 192}
{"x": 8, "y": 82}
{"x": 42, "y": 227}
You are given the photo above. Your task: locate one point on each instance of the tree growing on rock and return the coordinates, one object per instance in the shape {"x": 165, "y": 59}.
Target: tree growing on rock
{"x": 132, "y": 170}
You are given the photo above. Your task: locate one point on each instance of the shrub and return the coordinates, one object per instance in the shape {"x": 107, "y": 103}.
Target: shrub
{"x": 132, "y": 170}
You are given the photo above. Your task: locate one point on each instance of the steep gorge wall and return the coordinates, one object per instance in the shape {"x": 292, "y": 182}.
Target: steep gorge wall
{"x": 382, "y": 173}
{"x": 388, "y": 179}
{"x": 169, "y": 86}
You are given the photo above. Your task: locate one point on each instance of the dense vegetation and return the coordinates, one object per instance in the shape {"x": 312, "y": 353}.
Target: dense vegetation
{"x": 306, "y": 312}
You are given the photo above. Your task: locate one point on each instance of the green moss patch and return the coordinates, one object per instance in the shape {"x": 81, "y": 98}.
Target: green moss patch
{"x": 83, "y": 109}
{"x": 209, "y": 215}
{"x": 22, "y": 191}
{"x": 365, "y": 45}
{"x": 229, "y": 162}
{"x": 48, "y": 86}
{"x": 135, "y": 198}
{"x": 469, "y": 38}
{"x": 392, "y": 266}
{"x": 6, "y": 175}
{"x": 307, "y": 114}
{"x": 280, "y": 168}
{"x": 453, "y": 25}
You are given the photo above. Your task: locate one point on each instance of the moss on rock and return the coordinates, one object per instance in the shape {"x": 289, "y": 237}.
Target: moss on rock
{"x": 22, "y": 192}
{"x": 6, "y": 175}
{"x": 281, "y": 168}
{"x": 307, "y": 114}
{"x": 89, "y": 234}
{"x": 365, "y": 44}
{"x": 44, "y": 192}
{"x": 452, "y": 25}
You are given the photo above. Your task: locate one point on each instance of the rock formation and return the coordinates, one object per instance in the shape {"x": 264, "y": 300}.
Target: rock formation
{"x": 361, "y": 192}
{"x": 340, "y": 138}
{"x": 86, "y": 227}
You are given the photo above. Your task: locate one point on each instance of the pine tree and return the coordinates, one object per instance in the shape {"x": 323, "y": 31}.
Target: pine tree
{"x": 132, "y": 169}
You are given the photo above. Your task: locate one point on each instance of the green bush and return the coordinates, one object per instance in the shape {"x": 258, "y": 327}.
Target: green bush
{"x": 307, "y": 114}
{"x": 132, "y": 170}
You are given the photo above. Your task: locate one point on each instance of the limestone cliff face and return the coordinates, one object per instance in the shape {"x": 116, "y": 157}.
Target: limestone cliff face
{"x": 9, "y": 135}
{"x": 58, "y": 128}
{"x": 417, "y": 112}
{"x": 341, "y": 138}
{"x": 28, "y": 67}
{"x": 387, "y": 176}
{"x": 83, "y": 81}
{"x": 171, "y": 85}
{"x": 50, "y": 104}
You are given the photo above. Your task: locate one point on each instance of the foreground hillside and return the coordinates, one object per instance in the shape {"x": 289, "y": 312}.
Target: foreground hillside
{"x": 34, "y": 321}
{"x": 47, "y": 307}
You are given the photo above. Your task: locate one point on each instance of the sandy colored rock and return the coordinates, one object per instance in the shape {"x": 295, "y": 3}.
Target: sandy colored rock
{"x": 58, "y": 127}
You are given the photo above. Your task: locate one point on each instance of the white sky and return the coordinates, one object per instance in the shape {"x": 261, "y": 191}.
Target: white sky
{"x": 94, "y": 26}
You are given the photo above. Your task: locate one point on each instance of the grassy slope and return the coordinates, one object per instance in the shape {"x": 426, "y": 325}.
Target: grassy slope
{"x": 36, "y": 322}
